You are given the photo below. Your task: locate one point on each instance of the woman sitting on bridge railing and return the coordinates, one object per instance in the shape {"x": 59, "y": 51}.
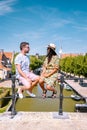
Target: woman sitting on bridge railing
{"x": 49, "y": 73}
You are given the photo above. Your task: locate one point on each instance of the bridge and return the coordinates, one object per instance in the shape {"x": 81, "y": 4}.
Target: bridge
{"x": 81, "y": 89}
{"x": 44, "y": 120}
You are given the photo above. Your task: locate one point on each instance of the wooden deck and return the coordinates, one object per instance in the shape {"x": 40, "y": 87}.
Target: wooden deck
{"x": 82, "y": 91}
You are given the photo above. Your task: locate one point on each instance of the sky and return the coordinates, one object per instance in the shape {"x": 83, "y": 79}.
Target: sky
{"x": 41, "y": 22}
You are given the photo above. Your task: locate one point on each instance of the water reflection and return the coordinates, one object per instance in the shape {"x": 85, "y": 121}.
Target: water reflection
{"x": 48, "y": 104}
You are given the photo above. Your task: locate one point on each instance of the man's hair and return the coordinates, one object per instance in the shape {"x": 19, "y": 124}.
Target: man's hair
{"x": 23, "y": 44}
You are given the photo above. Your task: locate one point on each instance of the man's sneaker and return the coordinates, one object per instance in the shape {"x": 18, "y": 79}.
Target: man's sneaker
{"x": 30, "y": 94}
{"x": 20, "y": 95}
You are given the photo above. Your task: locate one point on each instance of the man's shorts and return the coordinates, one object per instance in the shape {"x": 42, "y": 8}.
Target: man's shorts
{"x": 31, "y": 76}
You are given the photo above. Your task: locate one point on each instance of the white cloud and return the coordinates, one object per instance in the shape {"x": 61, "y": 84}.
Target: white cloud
{"x": 27, "y": 35}
{"x": 57, "y": 23}
{"x": 45, "y": 13}
{"x": 5, "y": 6}
{"x": 42, "y": 10}
{"x": 81, "y": 28}
{"x": 52, "y": 17}
{"x": 78, "y": 13}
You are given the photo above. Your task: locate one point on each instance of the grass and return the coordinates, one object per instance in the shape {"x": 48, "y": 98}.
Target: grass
{"x": 3, "y": 109}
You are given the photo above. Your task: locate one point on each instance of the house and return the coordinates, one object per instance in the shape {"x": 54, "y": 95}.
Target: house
{"x": 64, "y": 55}
{"x": 6, "y": 59}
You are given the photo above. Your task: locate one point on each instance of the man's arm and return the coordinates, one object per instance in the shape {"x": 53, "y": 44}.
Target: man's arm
{"x": 20, "y": 71}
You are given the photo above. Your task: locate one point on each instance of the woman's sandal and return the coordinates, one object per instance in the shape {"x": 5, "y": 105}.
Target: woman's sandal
{"x": 44, "y": 94}
{"x": 54, "y": 94}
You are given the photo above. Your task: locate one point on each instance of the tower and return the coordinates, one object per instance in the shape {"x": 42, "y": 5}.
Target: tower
{"x": 60, "y": 52}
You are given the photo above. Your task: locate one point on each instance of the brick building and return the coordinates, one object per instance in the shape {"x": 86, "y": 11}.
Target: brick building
{"x": 6, "y": 59}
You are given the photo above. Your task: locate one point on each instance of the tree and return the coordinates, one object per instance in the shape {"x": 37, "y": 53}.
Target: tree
{"x": 35, "y": 62}
{"x": 13, "y": 65}
{"x": 76, "y": 65}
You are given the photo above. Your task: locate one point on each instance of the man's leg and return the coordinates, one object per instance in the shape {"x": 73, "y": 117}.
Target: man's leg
{"x": 34, "y": 83}
{"x": 26, "y": 86}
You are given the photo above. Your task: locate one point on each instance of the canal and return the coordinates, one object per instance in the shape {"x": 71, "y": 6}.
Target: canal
{"x": 47, "y": 104}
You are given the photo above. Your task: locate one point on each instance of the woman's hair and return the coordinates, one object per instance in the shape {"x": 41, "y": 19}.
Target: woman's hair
{"x": 23, "y": 44}
{"x": 50, "y": 54}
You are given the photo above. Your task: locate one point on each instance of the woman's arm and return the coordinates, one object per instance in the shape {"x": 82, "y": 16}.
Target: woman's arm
{"x": 46, "y": 75}
{"x": 43, "y": 70}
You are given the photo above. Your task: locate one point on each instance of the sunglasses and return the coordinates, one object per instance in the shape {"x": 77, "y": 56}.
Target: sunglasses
{"x": 27, "y": 47}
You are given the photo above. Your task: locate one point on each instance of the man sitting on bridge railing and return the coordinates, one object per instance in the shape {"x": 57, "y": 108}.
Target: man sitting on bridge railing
{"x": 28, "y": 79}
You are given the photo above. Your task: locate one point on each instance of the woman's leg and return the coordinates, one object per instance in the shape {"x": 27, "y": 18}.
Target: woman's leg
{"x": 41, "y": 83}
{"x": 52, "y": 89}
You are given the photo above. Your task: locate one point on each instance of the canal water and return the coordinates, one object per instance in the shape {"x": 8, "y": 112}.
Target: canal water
{"x": 47, "y": 104}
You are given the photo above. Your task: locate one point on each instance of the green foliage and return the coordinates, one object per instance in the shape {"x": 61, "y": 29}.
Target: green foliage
{"x": 35, "y": 62}
{"x": 62, "y": 63}
{"x": 76, "y": 65}
{"x": 13, "y": 65}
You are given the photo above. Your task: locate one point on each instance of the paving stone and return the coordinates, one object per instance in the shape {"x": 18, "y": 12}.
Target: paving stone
{"x": 42, "y": 121}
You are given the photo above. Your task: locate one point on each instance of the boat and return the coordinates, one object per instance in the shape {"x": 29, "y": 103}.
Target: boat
{"x": 67, "y": 87}
{"x": 75, "y": 97}
{"x": 81, "y": 107}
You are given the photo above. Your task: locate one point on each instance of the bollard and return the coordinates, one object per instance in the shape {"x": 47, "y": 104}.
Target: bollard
{"x": 81, "y": 81}
{"x": 13, "y": 111}
{"x": 61, "y": 95}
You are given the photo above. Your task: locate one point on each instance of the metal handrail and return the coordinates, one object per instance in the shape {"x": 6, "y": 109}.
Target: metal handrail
{"x": 14, "y": 96}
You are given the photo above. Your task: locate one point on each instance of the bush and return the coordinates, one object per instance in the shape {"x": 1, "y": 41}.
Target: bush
{"x": 76, "y": 65}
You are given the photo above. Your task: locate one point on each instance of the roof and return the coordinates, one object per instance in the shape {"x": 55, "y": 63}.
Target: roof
{"x": 69, "y": 54}
{"x": 8, "y": 55}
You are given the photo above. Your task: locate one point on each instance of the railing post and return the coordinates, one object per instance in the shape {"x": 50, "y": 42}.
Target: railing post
{"x": 13, "y": 111}
{"x": 61, "y": 114}
{"x": 81, "y": 81}
{"x": 61, "y": 95}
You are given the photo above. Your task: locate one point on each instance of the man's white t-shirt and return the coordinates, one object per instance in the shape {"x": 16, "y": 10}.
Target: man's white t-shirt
{"x": 23, "y": 61}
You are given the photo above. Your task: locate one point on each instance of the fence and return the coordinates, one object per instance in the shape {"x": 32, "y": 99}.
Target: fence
{"x": 14, "y": 97}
